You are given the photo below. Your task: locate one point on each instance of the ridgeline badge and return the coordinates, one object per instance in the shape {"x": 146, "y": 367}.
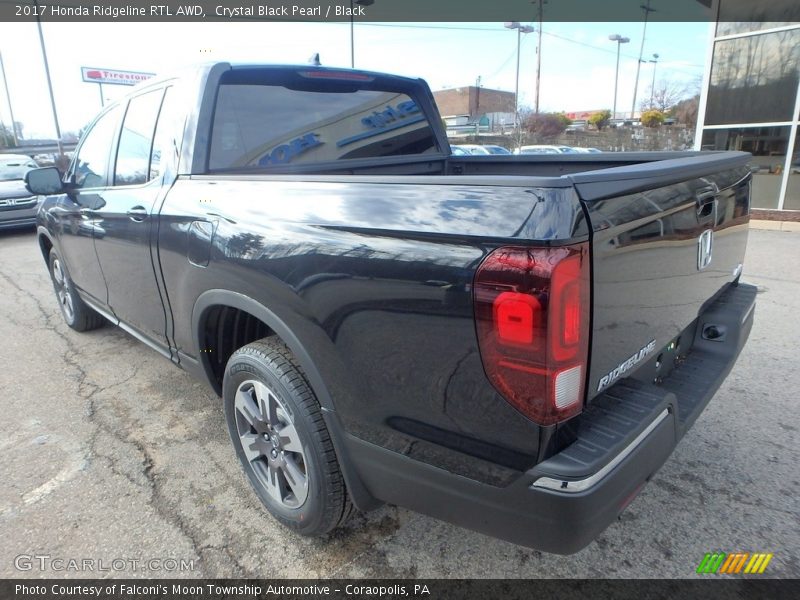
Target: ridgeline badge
{"x": 625, "y": 365}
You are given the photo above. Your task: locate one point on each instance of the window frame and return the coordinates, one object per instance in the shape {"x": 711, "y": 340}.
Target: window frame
{"x": 377, "y": 82}
{"x": 161, "y": 89}
{"x": 69, "y": 176}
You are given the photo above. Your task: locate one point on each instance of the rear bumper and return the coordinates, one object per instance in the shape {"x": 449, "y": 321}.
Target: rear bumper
{"x": 18, "y": 223}
{"x": 563, "y": 503}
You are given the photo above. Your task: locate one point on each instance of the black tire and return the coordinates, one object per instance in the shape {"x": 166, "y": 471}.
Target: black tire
{"x": 74, "y": 310}
{"x": 288, "y": 398}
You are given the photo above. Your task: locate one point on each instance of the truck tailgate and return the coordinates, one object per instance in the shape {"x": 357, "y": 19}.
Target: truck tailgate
{"x": 668, "y": 237}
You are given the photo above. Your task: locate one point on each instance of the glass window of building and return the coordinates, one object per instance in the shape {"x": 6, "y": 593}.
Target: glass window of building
{"x": 741, "y": 16}
{"x": 754, "y": 78}
{"x": 792, "y": 200}
{"x": 753, "y": 96}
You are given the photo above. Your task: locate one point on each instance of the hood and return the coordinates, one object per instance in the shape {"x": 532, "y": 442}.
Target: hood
{"x": 13, "y": 189}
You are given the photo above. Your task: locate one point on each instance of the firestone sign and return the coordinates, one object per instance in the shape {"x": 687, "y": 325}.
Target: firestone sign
{"x": 112, "y": 76}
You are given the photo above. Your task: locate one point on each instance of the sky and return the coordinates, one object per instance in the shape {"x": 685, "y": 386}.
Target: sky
{"x": 577, "y": 73}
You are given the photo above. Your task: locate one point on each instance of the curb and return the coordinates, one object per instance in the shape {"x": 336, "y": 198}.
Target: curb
{"x": 774, "y": 225}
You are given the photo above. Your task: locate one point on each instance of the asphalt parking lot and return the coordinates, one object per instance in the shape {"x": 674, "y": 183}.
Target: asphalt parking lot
{"x": 109, "y": 452}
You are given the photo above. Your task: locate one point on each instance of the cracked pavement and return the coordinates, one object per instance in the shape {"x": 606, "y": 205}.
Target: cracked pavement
{"x": 107, "y": 451}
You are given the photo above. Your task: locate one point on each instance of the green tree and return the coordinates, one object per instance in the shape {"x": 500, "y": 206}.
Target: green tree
{"x": 565, "y": 120}
{"x": 652, "y": 118}
{"x": 600, "y": 119}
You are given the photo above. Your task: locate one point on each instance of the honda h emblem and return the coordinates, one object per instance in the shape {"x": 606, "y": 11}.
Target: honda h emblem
{"x": 704, "y": 245}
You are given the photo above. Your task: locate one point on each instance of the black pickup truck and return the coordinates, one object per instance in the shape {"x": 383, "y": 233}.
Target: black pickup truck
{"x": 511, "y": 343}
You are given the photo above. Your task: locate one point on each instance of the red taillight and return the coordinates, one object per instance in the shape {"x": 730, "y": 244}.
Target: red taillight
{"x": 514, "y": 315}
{"x": 330, "y": 74}
{"x": 532, "y": 318}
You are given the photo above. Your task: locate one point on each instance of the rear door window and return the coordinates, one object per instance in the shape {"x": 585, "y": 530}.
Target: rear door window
{"x": 275, "y": 126}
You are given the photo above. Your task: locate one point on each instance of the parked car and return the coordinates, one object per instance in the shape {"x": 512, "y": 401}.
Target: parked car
{"x": 473, "y": 149}
{"x": 545, "y": 149}
{"x": 586, "y": 150}
{"x": 17, "y": 206}
{"x": 512, "y": 344}
{"x": 45, "y": 160}
{"x": 491, "y": 149}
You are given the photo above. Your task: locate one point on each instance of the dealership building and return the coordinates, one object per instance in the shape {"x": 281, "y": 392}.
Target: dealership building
{"x": 491, "y": 110}
{"x": 751, "y": 101}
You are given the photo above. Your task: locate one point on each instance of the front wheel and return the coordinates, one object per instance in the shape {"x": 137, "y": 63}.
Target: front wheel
{"x": 74, "y": 310}
{"x": 277, "y": 429}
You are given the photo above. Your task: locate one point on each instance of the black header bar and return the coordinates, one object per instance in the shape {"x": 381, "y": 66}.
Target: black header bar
{"x": 780, "y": 11}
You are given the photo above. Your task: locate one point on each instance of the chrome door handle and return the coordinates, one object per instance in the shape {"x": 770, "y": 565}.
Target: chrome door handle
{"x": 137, "y": 213}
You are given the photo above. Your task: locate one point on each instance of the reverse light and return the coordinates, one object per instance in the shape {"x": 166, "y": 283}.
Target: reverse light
{"x": 532, "y": 320}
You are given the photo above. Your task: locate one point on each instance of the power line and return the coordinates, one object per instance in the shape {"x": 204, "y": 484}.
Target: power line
{"x": 496, "y": 30}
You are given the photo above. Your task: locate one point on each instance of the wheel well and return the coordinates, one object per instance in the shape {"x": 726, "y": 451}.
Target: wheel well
{"x": 45, "y": 245}
{"x": 224, "y": 330}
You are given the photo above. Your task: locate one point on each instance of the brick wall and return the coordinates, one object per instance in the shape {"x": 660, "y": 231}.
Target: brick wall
{"x": 473, "y": 101}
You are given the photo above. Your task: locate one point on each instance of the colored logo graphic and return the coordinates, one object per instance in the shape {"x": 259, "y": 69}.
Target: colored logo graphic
{"x": 738, "y": 562}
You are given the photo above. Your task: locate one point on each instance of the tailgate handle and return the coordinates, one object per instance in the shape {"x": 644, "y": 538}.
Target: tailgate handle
{"x": 705, "y": 199}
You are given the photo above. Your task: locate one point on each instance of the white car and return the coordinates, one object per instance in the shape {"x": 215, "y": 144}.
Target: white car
{"x": 539, "y": 149}
{"x": 587, "y": 150}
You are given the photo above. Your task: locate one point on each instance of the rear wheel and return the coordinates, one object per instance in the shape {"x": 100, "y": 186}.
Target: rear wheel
{"x": 74, "y": 310}
{"x": 276, "y": 426}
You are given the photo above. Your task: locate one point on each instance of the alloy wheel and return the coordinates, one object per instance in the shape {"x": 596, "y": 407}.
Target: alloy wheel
{"x": 62, "y": 290}
{"x": 271, "y": 443}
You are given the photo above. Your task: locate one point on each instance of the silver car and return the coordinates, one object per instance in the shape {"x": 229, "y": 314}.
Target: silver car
{"x": 18, "y": 206}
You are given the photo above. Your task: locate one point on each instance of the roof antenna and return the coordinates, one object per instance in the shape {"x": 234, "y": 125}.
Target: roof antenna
{"x": 314, "y": 59}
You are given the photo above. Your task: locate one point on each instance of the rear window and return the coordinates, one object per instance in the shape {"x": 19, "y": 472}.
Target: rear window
{"x": 258, "y": 125}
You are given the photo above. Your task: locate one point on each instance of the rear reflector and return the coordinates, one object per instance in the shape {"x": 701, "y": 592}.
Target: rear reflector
{"x": 532, "y": 320}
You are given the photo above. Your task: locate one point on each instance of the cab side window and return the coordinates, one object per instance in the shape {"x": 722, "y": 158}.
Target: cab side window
{"x": 136, "y": 140}
{"x": 165, "y": 144}
{"x": 90, "y": 168}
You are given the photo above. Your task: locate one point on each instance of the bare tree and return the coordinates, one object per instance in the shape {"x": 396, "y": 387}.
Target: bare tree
{"x": 685, "y": 111}
{"x": 665, "y": 95}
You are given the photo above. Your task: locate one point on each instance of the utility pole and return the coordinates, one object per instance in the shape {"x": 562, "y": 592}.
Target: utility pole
{"x": 352, "y": 29}
{"x": 539, "y": 55}
{"x": 49, "y": 83}
{"x": 647, "y": 10}
{"x": 520, "y": 30}
{"x": 478, "y": 96}
{"x": 8, "y": 98}
{"x": 620, "y": 40}
{"x": 653, "y": 87}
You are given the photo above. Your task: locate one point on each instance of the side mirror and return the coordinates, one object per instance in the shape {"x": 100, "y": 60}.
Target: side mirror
{"x": 44, "y": 182}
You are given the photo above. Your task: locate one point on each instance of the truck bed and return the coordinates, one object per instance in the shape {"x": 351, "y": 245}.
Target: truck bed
{"x": 637, "y": 209}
